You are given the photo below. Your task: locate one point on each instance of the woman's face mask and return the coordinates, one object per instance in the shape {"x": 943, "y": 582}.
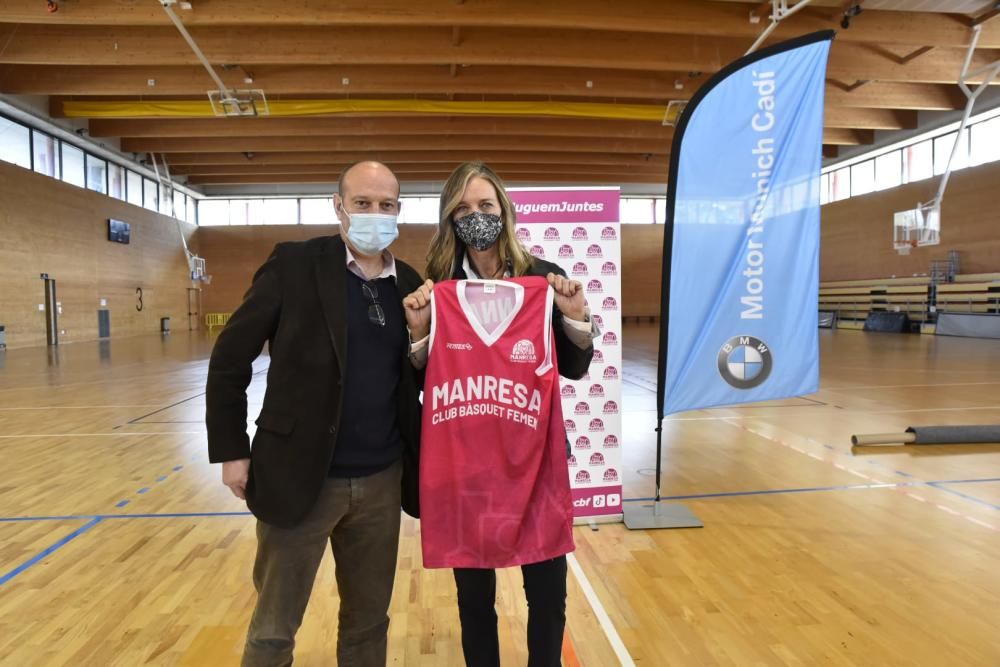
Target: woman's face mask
{"x": 479, "y": 230}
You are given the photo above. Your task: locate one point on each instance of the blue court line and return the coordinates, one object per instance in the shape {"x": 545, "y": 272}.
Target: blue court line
{"x": 143, "y": 490}
{"x": 942, "y": 487}
{"x": 160, "y": 479}
{"x": 768, "y": 492}
{"x": 103, "y": 517}
{"x": 55, "y": 547}
{"x": 122, "y": 503}
{"x": 965, "y": 481}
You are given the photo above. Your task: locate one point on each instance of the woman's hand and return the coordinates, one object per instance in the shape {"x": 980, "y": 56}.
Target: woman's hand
{"x": 417, "y": 307}
{"x": 569, "y": 297}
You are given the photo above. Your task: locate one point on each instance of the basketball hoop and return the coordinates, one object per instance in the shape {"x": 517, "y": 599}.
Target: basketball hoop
{"x": 207, "y": 279}
{"x": 906, "y": 247}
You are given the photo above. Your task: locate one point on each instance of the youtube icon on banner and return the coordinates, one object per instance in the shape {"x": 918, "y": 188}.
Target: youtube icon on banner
{"x": 579, "y": 230}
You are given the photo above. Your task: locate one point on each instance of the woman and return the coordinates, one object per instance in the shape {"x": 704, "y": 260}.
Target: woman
{"x": 476, "y": 239}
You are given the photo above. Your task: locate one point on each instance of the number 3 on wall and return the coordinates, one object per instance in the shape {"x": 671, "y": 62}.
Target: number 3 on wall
{"x": 138, "y": 305}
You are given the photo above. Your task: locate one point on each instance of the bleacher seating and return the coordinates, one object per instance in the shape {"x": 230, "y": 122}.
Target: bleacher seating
{"x": 853, "y": 300}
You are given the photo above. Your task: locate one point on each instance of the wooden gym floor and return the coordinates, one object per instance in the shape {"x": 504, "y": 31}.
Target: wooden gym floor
{"x": 120, "y": 546}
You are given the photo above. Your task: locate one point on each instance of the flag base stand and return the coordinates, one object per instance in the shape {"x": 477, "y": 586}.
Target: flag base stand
{"x": 650, "y": 515}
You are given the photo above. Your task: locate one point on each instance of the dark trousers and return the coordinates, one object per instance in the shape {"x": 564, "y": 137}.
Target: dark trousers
{"x": 359, "y": 518}
{"x": 545, "y": 589}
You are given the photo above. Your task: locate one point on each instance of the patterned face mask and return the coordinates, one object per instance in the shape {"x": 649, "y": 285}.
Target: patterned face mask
{"x": 479, "y": 230}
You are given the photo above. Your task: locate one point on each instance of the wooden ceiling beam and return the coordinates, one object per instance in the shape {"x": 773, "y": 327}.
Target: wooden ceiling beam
{"x": 189, "y": 80}
{"x": 890, "y": 95}
{"x": 365, "y": 144}
{"x": 430, "y": 167}
{"x": 848, "y": 137}
{"x": 446, "y": 157}
{"x": 69, "y": 45}
{"x": 870, "y": 119}
{"x": 653, "y": 16}
{"x": 528, "y": 177}
{"x": 391, "y": 143}
{"x": 382, "y": 125}
{"x": 429, "y": 80}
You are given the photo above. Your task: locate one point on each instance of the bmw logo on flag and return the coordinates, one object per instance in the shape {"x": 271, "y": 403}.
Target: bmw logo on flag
{"x": 745, "y": 362}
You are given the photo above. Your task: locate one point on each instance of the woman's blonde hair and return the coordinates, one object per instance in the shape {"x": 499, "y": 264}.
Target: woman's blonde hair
{"x": 442, "y": 255}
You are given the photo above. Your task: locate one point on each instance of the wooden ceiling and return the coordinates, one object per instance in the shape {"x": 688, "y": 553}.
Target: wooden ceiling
{"x": 884, "y": 69}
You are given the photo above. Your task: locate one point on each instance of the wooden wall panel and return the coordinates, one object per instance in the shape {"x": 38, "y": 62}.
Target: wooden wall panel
{"x": 857, "y": 232}
{"x": 47, "y": 226}
{"x": 234, "y": 253}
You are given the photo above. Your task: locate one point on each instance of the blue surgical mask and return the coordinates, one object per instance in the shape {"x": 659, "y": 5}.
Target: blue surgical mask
{"x": 371, "y": 233}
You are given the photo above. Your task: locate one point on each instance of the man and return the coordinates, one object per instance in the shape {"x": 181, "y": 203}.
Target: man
{"x": 335, "y": 452}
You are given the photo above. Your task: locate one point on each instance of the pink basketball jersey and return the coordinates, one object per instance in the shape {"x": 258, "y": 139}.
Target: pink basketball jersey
{"x": 494, "y": 481}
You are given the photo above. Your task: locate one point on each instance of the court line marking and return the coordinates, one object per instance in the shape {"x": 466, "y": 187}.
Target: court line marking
{"x": 941, "y": 487}
{"x": 123, "y": 434}
{"x": 49, "y": 551}
{"x": 602, "y": 616}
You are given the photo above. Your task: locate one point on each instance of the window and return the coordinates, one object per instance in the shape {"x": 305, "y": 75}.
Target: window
{"x": 133, "y": 185}
{"x": 840, "y": 186}
{"x": 213, "y": 212}
{"x": 180, "y": 206}
{"x": 116, "y": 180}
{"x": 420, "y": 210}
{"x": 280, "y": 212}
{"x": 150, "y": 196}
{"x": 15, "y": 143}
{"x": 46, "y": 150}
{"x": 824, "y": 189}
{"x": 637, "y": 210}
{"x": 888, "y": 170}
{"x": 72, "y": 165}
{"x": 942, "y": 151}
{"x": 985, "y": 139}
{"x": 660, "y": 210}
{"x": 918, "y": 161}
{"x": 97, "y": 174}
{"x": 863, "y": 178}
{"x": 166, "y": 199}
{"x": 320, "y": 211}
{"x": 192, "y": 210}
{"x": 237, "y": 211}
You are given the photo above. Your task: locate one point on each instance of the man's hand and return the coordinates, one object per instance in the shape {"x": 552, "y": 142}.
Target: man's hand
{"x": 569, "y": 297}
{"x": 234, "y": 475}
{"x": 417, "y": 307}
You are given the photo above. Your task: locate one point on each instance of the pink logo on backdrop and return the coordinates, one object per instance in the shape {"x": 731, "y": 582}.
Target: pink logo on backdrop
{"x": 537, "y": 251}
{"x": 598, "y": 357}
{"x": 580, "y": 234}
{"x": 596, "y": 391}
{"x": 598, "y": 320}
{"x": 610, "y": 475}
{"x": 566, "y": 251}
{"x": 523, "y": 234}
{"x": 595, "y": 287}
{"x": 610, "y": 303}
{"x": 583, "y": 477}
{"x": 594, "y": 251}
{"x": 610, "y": 408}
{"x": 570, "y": 426}
{"x": 579, "y": 206}
{"x": 582, "y": 408}
{"x": 610, "y": 338}
{"x": 609, "y": 269}
{"x": 583, "y": 442}
{"x": 571, "y": 461}
{"x": 609, "y": 234}
{"x": 597, "y": 459}
{"x": 586, "y": 376}
{"x": 568, "y": 391}
{"x": 551, "y": 234}
{"x": 596, "y": 425}
{"x": 580, "y": 269}
{"x": 610, "y": 373}
{"x": 611, "y": 442}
